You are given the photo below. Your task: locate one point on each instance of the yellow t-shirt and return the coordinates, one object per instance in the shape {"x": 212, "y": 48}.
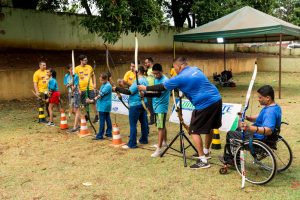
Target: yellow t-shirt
{"x": 40, "y": 77}
{"x": 129, "y": 77}
{"x": 84, "y": 73}
{"x": 173, "y": 72}
{"x": 150, "y": 77}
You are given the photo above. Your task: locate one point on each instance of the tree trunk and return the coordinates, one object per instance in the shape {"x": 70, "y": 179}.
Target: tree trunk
{"x": 85, "y": 4}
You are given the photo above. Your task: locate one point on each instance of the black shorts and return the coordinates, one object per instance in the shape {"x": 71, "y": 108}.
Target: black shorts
{"x": 83, "y": 96}
{"x": 203, "y": 121}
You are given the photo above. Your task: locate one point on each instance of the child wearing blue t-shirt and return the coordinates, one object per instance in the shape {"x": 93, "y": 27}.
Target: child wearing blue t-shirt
{"x": 103, "y": 104}
{"x": 54, "y": 95}
{"x": 137, "y": 111}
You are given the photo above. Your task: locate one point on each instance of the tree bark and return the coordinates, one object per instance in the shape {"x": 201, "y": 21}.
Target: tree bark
{"x": 85, "y": 4}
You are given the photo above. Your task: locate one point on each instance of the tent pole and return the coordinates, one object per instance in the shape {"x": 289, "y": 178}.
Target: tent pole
{"x": 280, "y": 42}
{"x": 173, "y": 49}
{"x": 224, "y": 56}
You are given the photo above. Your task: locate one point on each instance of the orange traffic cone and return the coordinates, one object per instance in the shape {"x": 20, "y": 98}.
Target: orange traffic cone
{"x": 117, "y": 139}
{"x": 84, "y": 131}
{"x": 63, "y": 120}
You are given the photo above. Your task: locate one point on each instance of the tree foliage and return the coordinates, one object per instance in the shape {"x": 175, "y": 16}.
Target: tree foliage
{"x": 118, "y": 17}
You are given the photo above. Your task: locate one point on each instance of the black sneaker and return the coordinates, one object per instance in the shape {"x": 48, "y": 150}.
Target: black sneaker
{"x": 200, "y": 165}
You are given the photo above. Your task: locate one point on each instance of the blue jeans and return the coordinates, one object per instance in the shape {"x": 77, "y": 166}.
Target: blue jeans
{"x": 138, "y": 113}
{"x": 104, "y": 116}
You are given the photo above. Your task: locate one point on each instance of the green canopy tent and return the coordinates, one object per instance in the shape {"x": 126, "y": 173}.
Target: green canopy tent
{"x": 246, "y": 25}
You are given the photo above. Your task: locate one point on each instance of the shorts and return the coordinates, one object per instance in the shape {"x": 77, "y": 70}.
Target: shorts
{"x": 161, "y": 120}
{"x": 203, "y": 121}
{"x": 76, "y": 100}
{"x": 55, "y": 97}
{"x": 83, "y": 97}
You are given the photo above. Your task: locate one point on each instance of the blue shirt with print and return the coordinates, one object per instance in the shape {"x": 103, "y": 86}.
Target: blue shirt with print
{"x": 104, "y": 102}
{"x": 269, "y": 116}
{"x": 195, "y": 86}
{"x": 161, "y": 104}
{"x": 68, "y": 80}
{"x": 52, "y": 85}
{"x": 134, "y": 98}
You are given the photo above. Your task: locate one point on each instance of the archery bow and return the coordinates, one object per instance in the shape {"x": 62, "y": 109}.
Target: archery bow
{"x": 242, "y": 153}
{"x": 111, "y": 80}
{"x": 70, "y": 89}
{"x": 136, "y": 73}
{"x": 87, "y": 94}
{"x": 179, "y": 113}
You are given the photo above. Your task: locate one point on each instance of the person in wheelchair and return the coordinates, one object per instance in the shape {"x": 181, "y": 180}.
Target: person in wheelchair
{"x": 264, "y": 124}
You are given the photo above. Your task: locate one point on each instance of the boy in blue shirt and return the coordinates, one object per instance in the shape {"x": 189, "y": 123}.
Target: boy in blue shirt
{"x": 71, "y": 81}
{"x": 103, "y": 104}
{"x": 263, "y": 126}
{"x": 160, "y": 103}
{"x": 136, "y": 111}
{"x": 54, "y": 95}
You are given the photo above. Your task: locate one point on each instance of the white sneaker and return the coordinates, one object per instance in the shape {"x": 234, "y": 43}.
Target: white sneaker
{"x": 50, "y": 124}
{"x": 156, "y": 145}
{"x": 125, "y": 146}
{"x": 157, "y": 153}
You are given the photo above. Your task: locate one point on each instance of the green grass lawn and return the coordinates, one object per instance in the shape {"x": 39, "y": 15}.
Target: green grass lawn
{"x": 40, "y": 162}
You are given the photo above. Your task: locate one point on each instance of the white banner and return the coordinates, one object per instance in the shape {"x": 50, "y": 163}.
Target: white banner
{"x": 229, "y": 111}
{"x": 117, "y": 105}
{"x": 229, "y": 114}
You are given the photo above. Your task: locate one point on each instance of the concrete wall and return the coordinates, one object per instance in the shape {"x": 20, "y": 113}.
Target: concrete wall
{"x": 17, "y": 84}
{"x": 270, "y": 50}
{"x": 60, "y": 31}
{"x": 272, "y": 64}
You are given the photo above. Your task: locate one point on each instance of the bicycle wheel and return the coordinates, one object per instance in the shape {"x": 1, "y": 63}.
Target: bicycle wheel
{"x": 283, "y": 154}
{"x": 260, "y": 169}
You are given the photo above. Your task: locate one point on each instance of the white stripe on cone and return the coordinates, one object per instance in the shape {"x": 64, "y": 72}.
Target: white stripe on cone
{"x": 116, "y": 137}
{"x": 83, "y": 128}
{"x": 63, "y": 122}
{"x": 62, "y": 115}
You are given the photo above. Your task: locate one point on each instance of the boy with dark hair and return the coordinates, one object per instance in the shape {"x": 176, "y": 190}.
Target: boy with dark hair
{"x": 160, "y": 103}
{"x": 263, "y": 125}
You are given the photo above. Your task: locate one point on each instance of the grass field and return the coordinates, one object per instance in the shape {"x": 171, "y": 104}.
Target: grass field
{"x": 39, "y": 162}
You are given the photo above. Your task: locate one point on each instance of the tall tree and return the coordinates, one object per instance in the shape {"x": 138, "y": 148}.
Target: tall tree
{"x": 207, "y": 11}
{"x": 180, "y": 11}
{"x": 288, "y": 10}
{"x": 118, "y": 17}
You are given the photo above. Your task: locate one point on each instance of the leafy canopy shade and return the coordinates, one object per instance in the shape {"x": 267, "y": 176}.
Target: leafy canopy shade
{"x": 245, "y": 25}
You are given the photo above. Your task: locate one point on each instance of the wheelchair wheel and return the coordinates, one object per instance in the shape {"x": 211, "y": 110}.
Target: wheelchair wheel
{"x": 261, "y": 168}
{"x": 283, "y": 154}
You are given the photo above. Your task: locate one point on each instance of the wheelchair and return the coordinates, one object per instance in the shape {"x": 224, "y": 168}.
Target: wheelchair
{"x": 263, "y": 159}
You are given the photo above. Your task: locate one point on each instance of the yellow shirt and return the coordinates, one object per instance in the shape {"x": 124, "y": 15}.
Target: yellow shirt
{"x": 129, "y": 77}
{"x": 40, "y": 77}
{"x": 150, "y": 77}
{"x": 84, "y": 73}
{"x": 173, "y": 72}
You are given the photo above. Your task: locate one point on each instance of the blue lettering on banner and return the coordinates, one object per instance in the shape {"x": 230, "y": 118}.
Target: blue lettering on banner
{"x": 124, "y": 98}
{"x": 115, "y": 109}
{"x": 226, "y": 109}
